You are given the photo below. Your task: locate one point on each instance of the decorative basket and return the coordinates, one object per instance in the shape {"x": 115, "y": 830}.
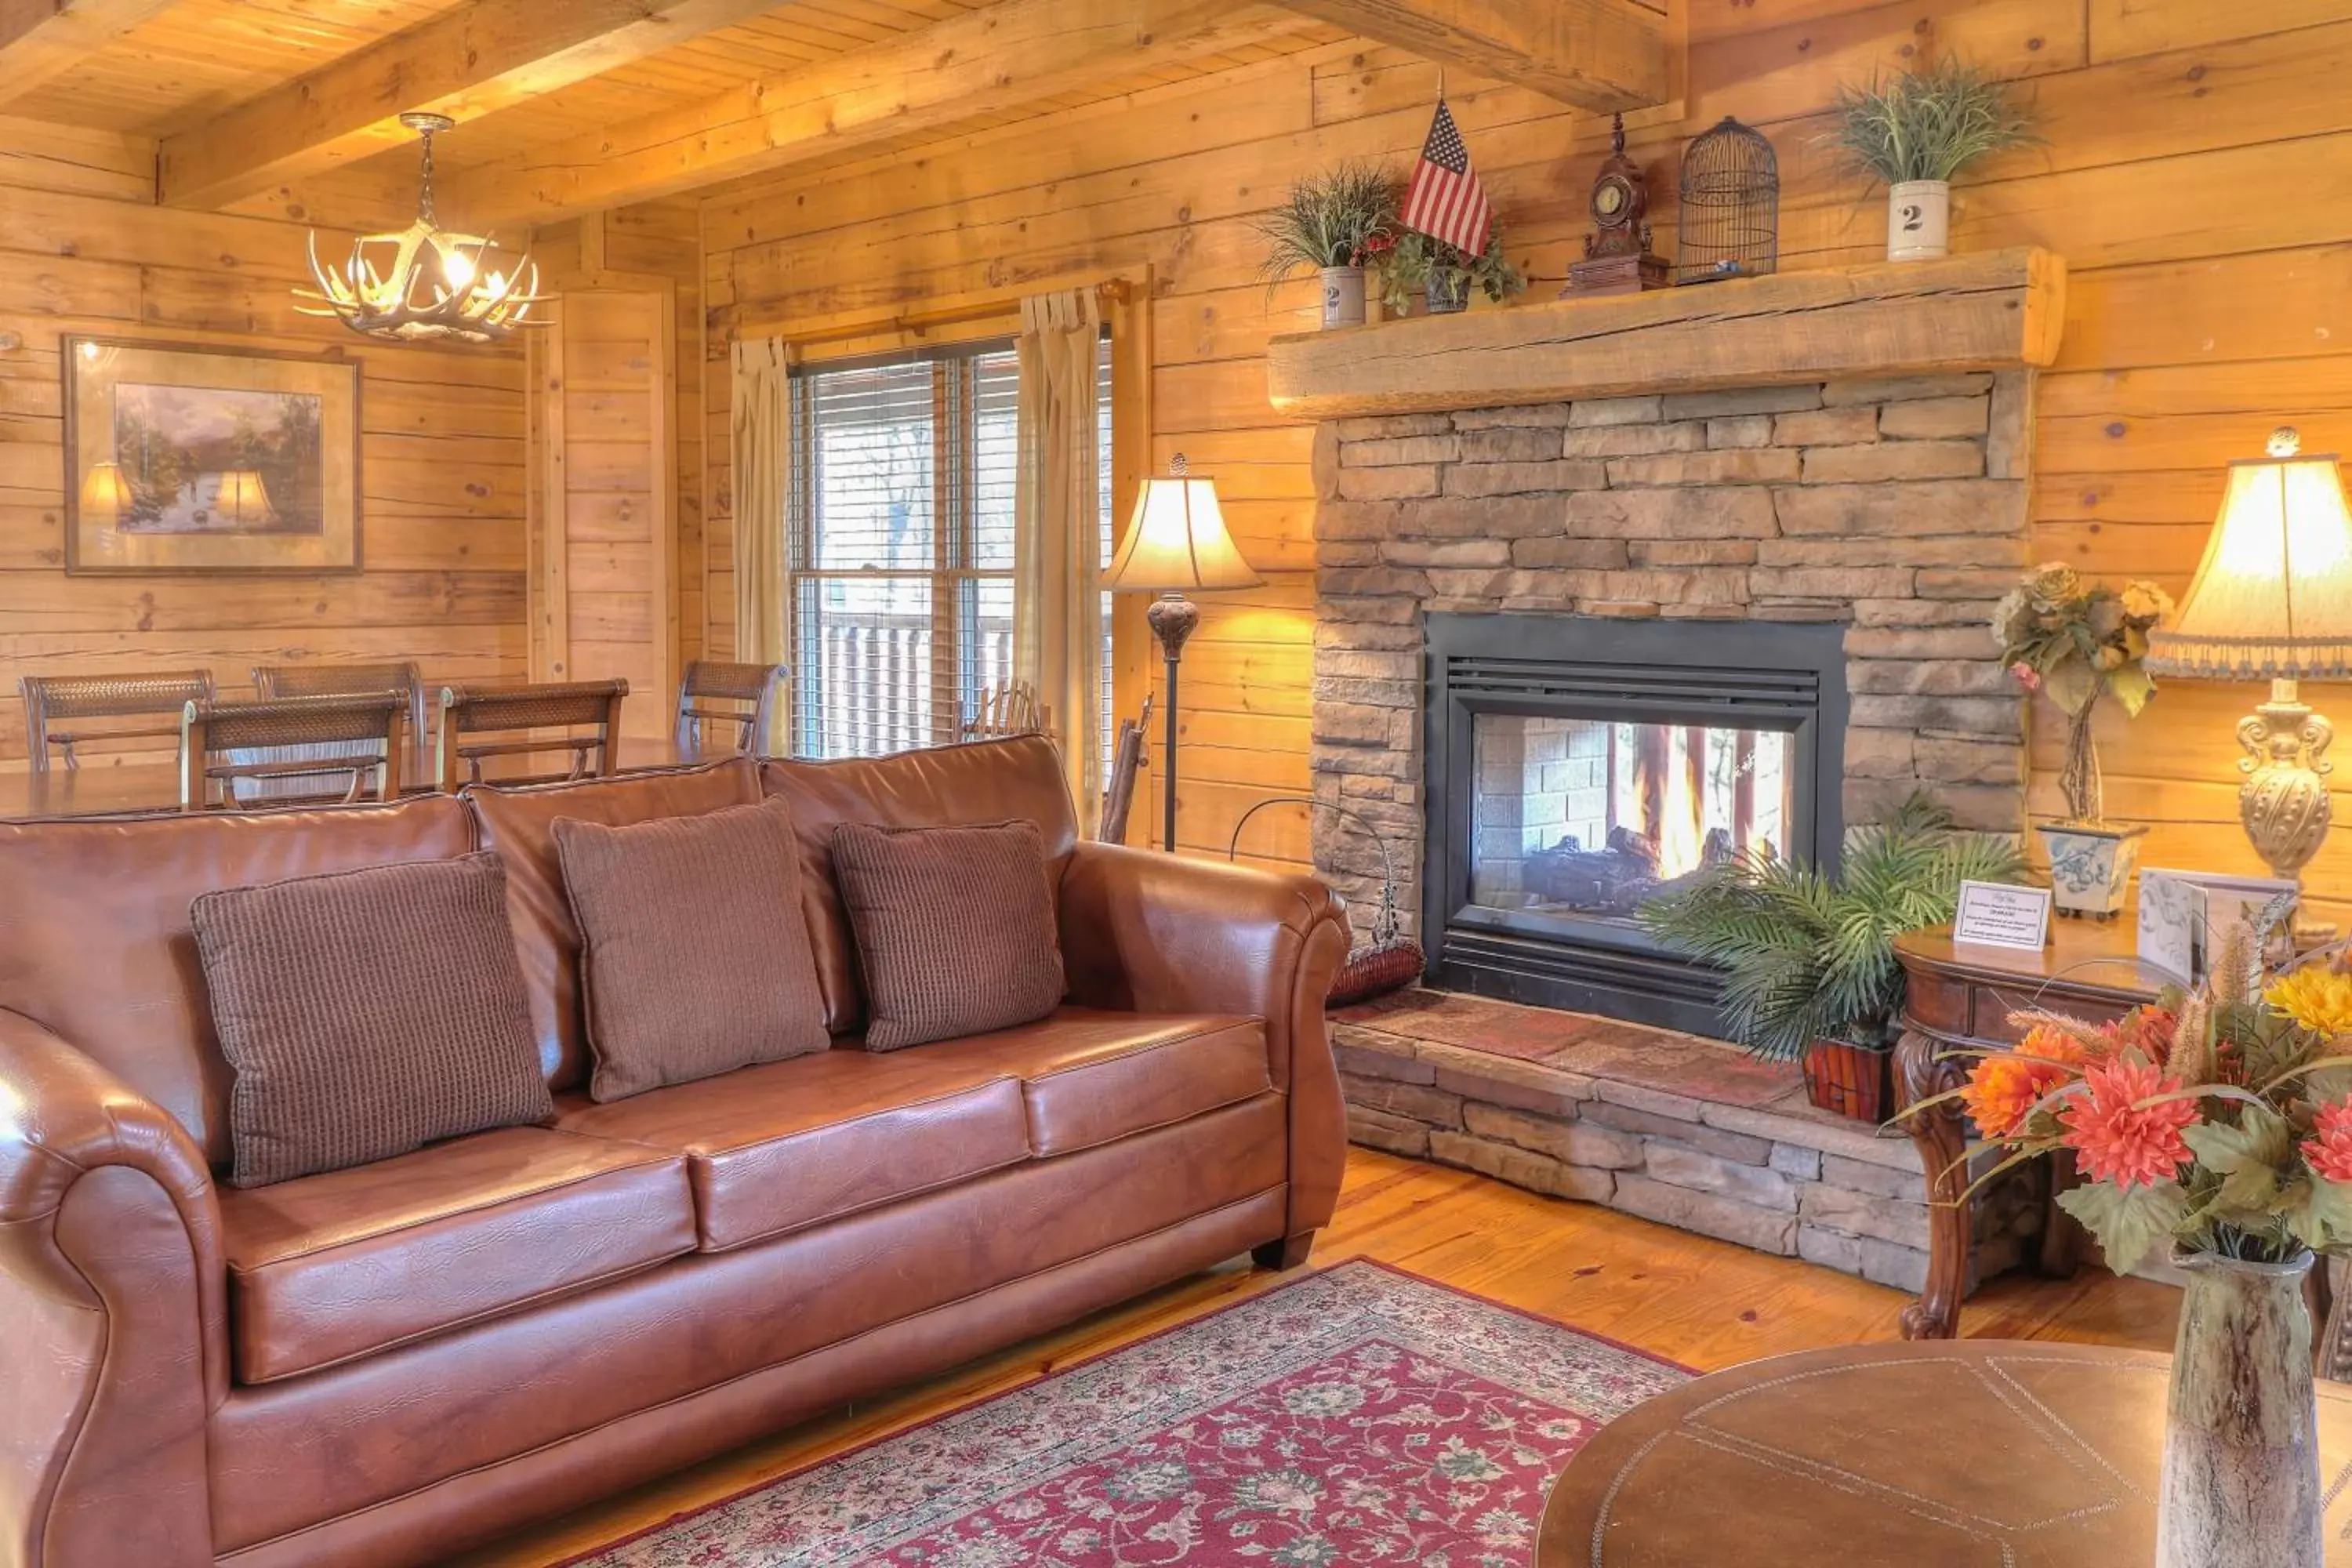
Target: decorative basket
{"x": 1389, "y": 962}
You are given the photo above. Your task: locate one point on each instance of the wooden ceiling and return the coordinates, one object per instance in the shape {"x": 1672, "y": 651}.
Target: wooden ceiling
{"x": 571, "y": 105}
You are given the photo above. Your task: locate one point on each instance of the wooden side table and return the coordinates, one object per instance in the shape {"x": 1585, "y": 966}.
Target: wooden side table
{"x": 1977, "y": 1453}
{"x": 1958, "y": 998}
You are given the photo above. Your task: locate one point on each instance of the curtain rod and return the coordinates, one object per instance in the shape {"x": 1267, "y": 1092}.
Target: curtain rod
{"x": 1115, "y": 292}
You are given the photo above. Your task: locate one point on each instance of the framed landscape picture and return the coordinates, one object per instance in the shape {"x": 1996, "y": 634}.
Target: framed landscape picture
{"x": 188, "y": 457}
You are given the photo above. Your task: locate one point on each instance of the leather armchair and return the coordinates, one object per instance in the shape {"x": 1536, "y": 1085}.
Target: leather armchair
{"x": 111, "y": 1262}
{"x": 1153, "y": 934}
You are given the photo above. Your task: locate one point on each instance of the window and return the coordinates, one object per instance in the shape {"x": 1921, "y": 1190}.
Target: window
{"x": 901, "y": 524}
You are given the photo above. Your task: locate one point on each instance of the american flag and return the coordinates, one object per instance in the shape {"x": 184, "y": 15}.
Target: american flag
{"x": 1445, "y": 201}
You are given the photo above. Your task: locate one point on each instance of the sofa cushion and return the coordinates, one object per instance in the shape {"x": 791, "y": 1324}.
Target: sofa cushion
{"x": 694, "y": 958}
{"x": 781, "y": 1147}
{"x": 329, "y": 1267}
{"x": 519, "y": 824}
{"x": 367, "y": 1014}
{"x": 955, "y": 929}
{"x": 1089, "y": 1077}
{"x": 94, "y": 936}
{"x": 983, "y": 781}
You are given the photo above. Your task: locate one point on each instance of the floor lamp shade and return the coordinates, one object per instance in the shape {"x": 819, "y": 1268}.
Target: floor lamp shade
{"x": 1176, "y": 544}
{"x": 2272, "y": 600}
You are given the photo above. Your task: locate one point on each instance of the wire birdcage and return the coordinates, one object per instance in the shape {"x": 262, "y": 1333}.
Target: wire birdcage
{"x": 1730, "y": 221}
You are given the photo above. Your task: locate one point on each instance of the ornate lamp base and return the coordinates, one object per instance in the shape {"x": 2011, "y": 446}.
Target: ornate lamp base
{"x": 1174, "y": 618}
{"x": 2283, "y": 802}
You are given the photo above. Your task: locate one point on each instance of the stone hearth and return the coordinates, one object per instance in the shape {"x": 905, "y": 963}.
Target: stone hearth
{"x": 1896, "y": 507}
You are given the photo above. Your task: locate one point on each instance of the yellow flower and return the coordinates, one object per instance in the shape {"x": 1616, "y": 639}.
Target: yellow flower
{"x": 2318, "y": 998}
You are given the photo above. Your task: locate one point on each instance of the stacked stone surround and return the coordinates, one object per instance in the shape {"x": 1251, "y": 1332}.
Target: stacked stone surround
{"x": 1769, "y": 1173}
{"x": 1897, "y": 507}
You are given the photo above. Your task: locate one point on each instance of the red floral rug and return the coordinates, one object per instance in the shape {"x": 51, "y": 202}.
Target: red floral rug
{"x": 1359, "y": 1415}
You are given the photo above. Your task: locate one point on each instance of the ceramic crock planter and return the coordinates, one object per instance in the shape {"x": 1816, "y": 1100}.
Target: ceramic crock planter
{"x": 2091, "y": 865}
{"x": 1343, "y": 296}
{"x": 2240, "y": 1487}
{"x": 1918, "y": 220}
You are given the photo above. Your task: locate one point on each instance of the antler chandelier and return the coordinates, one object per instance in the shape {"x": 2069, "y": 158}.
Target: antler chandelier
{"x": 424, "y": 283}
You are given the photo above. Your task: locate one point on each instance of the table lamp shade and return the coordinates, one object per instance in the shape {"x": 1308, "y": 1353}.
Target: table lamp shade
{"x": 2273, "y": 598}
{"x": 1176, "y": 543}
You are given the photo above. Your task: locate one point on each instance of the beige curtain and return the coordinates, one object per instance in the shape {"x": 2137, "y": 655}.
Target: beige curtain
{"x": 761, "y": 457}
{"x": 1057, "y": 624}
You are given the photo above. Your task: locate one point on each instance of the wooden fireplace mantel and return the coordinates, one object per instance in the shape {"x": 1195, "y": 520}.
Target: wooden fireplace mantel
{"x": 1998, "y": 309}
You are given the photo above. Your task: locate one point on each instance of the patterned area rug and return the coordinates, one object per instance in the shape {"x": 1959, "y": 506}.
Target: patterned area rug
{"x": 1359, "y": 1416}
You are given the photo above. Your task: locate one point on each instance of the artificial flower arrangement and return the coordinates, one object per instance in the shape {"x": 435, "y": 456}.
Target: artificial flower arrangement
{"x": 2078, "y": 641}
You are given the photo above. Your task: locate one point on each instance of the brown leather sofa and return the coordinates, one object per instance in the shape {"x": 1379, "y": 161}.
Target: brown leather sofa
{"x": 382, "y": 1365}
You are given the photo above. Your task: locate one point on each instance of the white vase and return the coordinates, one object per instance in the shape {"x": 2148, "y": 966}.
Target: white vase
{"x": 1918, "y": 220}
{"x": 1343, "y": 296}
{"x": 2091, "y": 866}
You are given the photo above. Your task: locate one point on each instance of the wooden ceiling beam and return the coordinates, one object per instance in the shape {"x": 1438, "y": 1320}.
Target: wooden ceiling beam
{"x": 1002, "y": 56}
{"x": 482, "y": 57}
{"x": 40, "y": 40}
{"x": 1607, "y": 57}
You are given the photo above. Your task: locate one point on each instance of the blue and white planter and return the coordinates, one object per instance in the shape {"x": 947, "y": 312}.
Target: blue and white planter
{"x": 2091, "y": 865}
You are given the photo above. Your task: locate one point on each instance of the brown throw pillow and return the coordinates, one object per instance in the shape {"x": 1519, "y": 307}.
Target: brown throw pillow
{"x": 955, "y": 929}
{"x": 367, "y": 1014}
{"x": 694, "y": 956}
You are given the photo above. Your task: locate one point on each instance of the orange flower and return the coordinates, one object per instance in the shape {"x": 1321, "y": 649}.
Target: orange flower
{"x": 2001, "y": 1089}
{"x": 2114, "y": 1138}
{"x": 2328, "y": 1152}
{"x": 2149, "y": 1030}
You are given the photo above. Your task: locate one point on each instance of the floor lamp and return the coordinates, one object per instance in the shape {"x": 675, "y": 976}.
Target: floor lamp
{"x": 1176, "y": 544}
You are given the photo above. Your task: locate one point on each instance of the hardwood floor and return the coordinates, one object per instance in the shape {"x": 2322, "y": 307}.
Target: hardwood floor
{"x": 1706, "y": 1303}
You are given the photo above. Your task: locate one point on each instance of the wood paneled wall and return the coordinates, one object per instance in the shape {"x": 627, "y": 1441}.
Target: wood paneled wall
{"x": 442, "y": 445}
{"x": 2195, "y": 179}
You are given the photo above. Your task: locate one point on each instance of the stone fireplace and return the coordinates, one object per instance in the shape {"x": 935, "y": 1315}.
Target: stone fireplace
{"x": 1568, "y": 652}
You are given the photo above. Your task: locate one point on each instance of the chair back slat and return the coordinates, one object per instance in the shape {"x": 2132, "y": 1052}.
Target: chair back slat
{"x": 748, "y": 692}
{"x": 348, "y": 680}
{"x": 152, "y": 694}
{"x": 1125, "y": 763}
{"x": 514, "y": 711}
{"x": 1012, "y": 709}
{"x": 239, "y": 753}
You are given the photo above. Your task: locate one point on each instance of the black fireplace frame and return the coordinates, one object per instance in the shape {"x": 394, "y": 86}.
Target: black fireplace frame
{"x": 1757, "y": 675}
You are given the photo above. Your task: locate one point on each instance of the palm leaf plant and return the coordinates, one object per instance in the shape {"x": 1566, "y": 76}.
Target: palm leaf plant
{"x": 1927, "y": 124}
{"x": 1808, "y": 957}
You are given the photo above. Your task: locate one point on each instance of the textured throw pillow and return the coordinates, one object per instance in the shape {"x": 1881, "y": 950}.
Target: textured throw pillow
{"x": 366, "y": 1014}
{"x": 694, "y": 956}
{"x": 954, "y": 926}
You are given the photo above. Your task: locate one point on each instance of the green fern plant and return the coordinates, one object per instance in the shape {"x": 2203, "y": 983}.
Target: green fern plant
{"x": 1927, "y": 124}
{"x": 1805, "y": 957}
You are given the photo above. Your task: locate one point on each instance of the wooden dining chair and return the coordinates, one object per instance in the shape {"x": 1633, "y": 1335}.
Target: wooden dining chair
{"x": 1012, "y": 709}
{"x": 284, "y": 742}
{"x": 743, "y": 695}
{"x": 156, "y": 696}
{"x": 349, "y": 681}
{"x": 524, "y": 713}
{"x": 1126, "y": 762}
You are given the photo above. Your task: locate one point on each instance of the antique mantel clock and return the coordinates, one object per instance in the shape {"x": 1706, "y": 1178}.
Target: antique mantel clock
{"x": 1617, "y": 259}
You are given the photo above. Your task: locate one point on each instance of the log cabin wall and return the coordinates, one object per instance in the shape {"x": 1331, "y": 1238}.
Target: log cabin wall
{"x": 83, "y": 251}
{"x": 2193, "y": 181}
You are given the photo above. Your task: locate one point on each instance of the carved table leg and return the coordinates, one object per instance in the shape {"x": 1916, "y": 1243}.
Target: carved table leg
{"x": 1941, "y": 1133}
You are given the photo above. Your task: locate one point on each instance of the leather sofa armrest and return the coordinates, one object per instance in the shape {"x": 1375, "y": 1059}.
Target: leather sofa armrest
{"x": 112, "y": 1284}
{"x": 1148, "y": 932}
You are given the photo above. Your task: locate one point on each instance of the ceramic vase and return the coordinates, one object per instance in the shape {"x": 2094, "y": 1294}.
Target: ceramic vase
{"x": 1918, "y": 220}
{"x": 2240, "y": 1485}
{"x": 1343, "y": 296}
{"x": 2091, "y": 865}
{"x": 1446, "y": 292}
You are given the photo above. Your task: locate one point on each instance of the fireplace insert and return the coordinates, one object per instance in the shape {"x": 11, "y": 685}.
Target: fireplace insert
{"x": 1579, "y": 766}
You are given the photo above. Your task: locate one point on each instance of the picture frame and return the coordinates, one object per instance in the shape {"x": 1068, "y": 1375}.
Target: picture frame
{"x": 205, "y": 459}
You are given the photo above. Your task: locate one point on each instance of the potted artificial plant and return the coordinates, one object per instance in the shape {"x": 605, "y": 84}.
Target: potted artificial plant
{"x": 1809, "y": 960}
{"x": 2076, "y": 642}
{"x": 1444, "y": 276}
{"x": 1336, "y": 224}
{"x": 1915, "y": 132}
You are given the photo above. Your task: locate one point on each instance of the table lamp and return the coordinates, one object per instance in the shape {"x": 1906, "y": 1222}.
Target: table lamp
{"x": 2272, "y": 600}
{"x": 1176, "y": 544}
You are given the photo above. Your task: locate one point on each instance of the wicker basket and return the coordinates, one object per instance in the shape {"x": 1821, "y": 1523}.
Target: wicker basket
{"x": 1389, "y": 960}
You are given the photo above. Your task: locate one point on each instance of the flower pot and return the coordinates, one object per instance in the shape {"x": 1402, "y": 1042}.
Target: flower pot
{"x": 2091, "y": 866}
{"x": 1343, "y": 296}
{"x": 1849, "y": 1079}
{"x": 1446, "y": 292}
{"x": 1918, "y": 220}
{"x": 2241, "y": 1482}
